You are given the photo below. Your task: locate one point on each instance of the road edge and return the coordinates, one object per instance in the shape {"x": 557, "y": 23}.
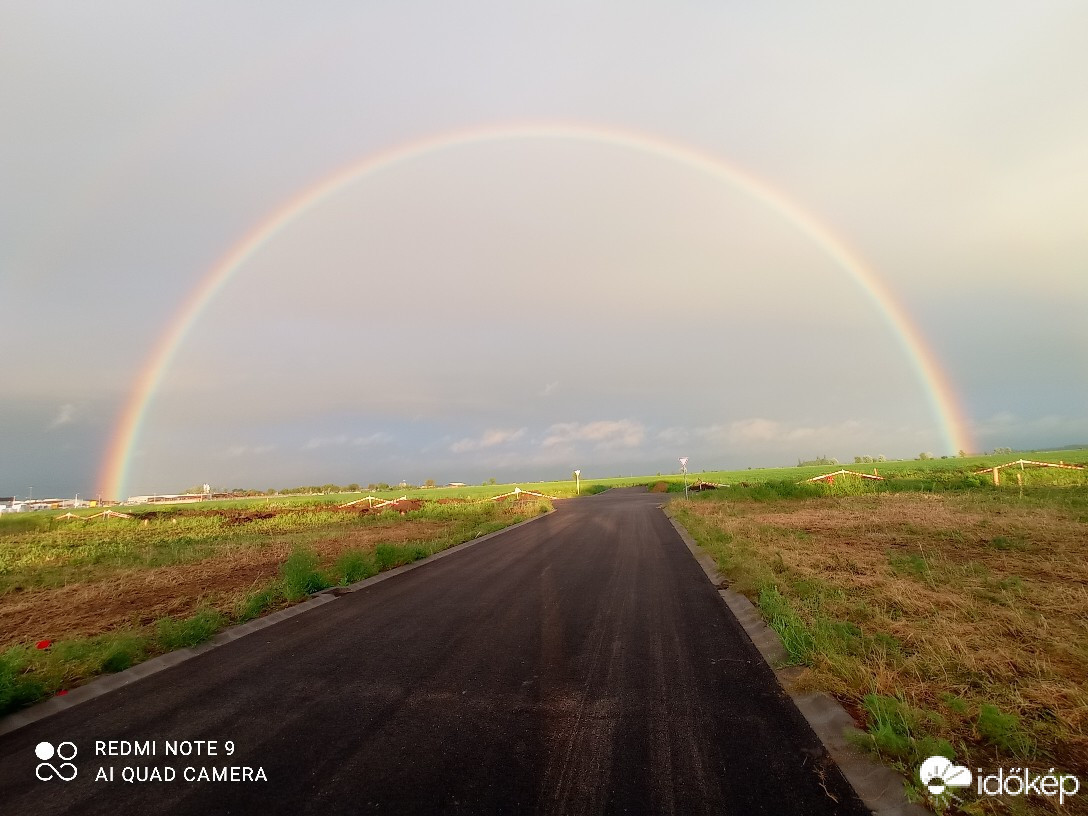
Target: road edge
{"x": 879, "y": 787}
{"x": 109, "y": 682}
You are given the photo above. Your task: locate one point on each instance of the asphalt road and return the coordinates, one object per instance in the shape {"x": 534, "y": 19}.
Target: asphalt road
{"x": 578, "y": 664}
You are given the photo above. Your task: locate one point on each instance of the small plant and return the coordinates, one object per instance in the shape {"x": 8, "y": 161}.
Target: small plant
{"x": 1003, "y": 731}
{"x": 898, "y": 730}
{"x": 354, "y": 565}
{"x": 301, "y": 576}
{"x": 177, "y": 634}
{"x": 388, "y": 556}
{"x": 795, "y": 635}
{"x": 17, "y": 689}
{"x": 256, "y": 603}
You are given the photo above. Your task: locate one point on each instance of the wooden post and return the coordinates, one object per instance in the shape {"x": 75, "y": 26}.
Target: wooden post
{"x": 997, "y": 477}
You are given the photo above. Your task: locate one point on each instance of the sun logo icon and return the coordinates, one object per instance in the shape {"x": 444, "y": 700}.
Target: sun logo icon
{"x": 939, "y": 774}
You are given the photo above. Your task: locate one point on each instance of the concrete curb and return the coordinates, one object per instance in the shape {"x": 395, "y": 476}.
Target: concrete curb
{"x": 110, "y": 682}
{"x": 879, "y": 787}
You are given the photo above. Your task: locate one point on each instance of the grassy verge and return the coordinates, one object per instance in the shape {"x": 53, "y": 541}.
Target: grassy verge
{"x": 308, "y": 552}
{"x": 951, "y": 623}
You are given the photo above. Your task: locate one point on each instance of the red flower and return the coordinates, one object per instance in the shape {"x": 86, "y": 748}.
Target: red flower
{"x": 44, "y": 644}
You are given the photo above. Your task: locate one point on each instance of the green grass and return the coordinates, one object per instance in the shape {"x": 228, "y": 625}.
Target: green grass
{"x": 355, "y": 565}
{"x": 301, "y": 576}
{"x": 178, "y": 634}
{"x": 43, "y": 555}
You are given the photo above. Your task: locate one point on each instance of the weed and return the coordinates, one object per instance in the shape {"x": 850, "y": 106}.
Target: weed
{"x": 258, "y": 602}
{"x": 795, "y": 635}
{"x": 901, "y": 731}
{"x": 354, "y": 565}
{"x": 1004, "y": 731}
{"x": 178, "y": 634}
{"x": 301, "y": 576}
{"x": 17, "y": 688}
{"x": 388, "y": 556}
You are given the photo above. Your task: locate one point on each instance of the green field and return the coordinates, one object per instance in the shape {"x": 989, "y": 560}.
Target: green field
{"x": 908, "y": 599}
{"x": 103, "y": 595}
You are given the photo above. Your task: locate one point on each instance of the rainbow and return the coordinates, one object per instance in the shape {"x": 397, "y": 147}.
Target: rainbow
{"x": 941, "y": 395}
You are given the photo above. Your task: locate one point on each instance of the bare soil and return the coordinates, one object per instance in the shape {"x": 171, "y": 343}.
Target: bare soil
{"x": 142, "y": 595}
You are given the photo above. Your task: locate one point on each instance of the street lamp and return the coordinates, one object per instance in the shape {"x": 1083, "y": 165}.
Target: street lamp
{"x": 577, "y": 482}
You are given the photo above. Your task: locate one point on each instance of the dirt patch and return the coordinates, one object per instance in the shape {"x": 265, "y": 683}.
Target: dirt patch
{"x": 979, "y": 601}
{"x": 660, "y": 487}
{"x": 142, "y": 595}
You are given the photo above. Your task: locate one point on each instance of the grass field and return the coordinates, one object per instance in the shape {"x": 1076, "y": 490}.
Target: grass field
{"x": 947, "y": 614}
{"x": 949, "y": 621}
{"x": 107, "y": 594}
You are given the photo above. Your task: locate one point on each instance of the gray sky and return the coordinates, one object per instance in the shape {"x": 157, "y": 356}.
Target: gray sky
{"x": 518, "y": 308}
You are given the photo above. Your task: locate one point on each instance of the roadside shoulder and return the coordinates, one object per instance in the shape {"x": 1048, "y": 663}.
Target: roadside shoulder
{"x": 879, "y": 787}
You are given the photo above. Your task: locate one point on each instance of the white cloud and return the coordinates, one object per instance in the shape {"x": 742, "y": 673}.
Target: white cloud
{"x": 488, "y": 439}
{"x": 65, "y": 415}
{"x": 549, "y": 389}
{"x": 605, "y": 434}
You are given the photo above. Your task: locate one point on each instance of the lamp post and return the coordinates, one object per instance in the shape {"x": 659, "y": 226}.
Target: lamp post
{"x": 684, "y": 470}
{"x": 577, "y": 483}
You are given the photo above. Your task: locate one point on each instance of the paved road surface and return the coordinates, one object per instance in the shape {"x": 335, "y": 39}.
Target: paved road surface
{"x": 578, "y": 664}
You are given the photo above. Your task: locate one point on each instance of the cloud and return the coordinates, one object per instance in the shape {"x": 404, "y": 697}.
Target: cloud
{"x": 489, "y": 439}
{"x": 65, "y": 415}
{"x": 549, "y": 389}
{"x": 605, "y": 434}
{"x": 674, "y": 436}
{"x": 344, "y": 441}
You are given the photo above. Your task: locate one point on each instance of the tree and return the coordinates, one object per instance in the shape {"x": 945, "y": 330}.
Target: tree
{"x": 429, "y": 483}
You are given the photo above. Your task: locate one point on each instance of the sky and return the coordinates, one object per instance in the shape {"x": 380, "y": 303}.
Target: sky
{"x": 552, "y": 236}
